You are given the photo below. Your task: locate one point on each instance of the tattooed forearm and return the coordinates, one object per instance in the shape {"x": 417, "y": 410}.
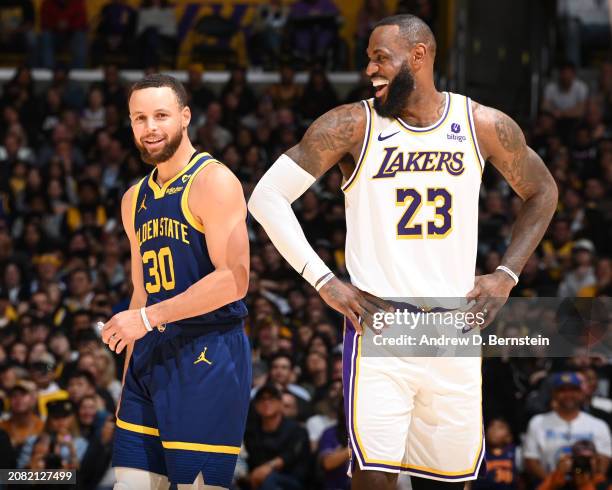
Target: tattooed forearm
{"x": 329, "y": 138}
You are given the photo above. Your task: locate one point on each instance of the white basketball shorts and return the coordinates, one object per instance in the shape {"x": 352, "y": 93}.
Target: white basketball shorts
{"x": 418, "y": 415}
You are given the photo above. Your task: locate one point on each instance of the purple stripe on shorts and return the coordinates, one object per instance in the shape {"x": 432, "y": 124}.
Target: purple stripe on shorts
{"x": 349, "y": 367}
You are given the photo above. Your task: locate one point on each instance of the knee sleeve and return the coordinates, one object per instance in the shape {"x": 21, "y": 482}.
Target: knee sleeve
{"x": 427, "y": 484}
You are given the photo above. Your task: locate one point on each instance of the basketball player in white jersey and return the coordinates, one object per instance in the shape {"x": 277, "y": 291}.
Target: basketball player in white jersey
{"x": 411, "y": 191}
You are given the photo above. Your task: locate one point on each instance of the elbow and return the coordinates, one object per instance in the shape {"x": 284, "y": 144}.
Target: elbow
{"x": 552, "y": 193}
{"x": 241, "y": 283}
{"x": 254, "y": 204}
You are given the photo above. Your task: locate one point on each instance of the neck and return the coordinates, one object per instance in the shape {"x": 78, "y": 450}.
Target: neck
{"x": 168, "y": 169}
{"x": 270, "y": 424}
{"x": 568, "y": 415}
{"x": 424, "y": 106}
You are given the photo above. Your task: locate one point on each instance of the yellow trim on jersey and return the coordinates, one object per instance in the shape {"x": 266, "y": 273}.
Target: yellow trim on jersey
{"x": 135, "y": 200}
{"x": 472, "y": 130}
{"x": 401, "y": 465}
{"x": 141, "y": 429}
{"x": 158, "y": 191}
{"x": 429, "y": 129}
{"x": 207, "y": 448}
{"x": 364, "y": 150}
{"x": 191, "y": 219}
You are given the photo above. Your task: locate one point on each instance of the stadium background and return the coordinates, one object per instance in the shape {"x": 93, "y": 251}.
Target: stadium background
{"x": 255, "y": 81}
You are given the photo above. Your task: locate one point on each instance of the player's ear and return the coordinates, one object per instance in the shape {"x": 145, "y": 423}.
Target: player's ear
{"x": 186, "y": 116}
{"x": 419, "y": 52}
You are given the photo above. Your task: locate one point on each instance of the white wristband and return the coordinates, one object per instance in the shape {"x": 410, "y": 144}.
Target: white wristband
{"x": 509, "y": 272}
{"x": 324, "y": 280}
{"x": 145, "y": 320}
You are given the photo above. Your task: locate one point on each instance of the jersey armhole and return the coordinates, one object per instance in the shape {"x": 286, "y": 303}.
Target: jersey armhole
{"x": 135, "y": 199}
{"x": 470, "y": 118}
{"x": 189, "y": 217}
{"x": 364, "y": 148}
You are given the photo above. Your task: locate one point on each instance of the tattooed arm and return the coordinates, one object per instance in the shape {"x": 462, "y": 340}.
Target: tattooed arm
{"x": 330, "y": 138}
{"x": 502, "y": 143}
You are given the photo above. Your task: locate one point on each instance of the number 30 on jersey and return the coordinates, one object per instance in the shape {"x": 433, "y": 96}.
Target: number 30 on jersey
{"x": 161, "y": 270}
{"x": 438, "y": 228}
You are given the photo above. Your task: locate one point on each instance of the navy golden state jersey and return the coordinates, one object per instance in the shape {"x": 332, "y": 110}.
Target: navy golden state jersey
{"x": 173, "y": 243}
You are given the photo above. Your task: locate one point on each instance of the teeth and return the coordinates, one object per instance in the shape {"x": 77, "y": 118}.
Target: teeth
{"x": 379, "y": 82}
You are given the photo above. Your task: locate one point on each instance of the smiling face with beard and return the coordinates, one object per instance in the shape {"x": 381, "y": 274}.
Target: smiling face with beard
{"x": 394, "y": 96}
{"x": 169, "y": 145}
{"x": 158, "y": 123}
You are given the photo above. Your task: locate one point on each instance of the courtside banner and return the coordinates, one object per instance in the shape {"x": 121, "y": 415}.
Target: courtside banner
{"x": 518, "y": 327}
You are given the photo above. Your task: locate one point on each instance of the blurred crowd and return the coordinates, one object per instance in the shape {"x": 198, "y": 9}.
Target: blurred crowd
{"x": 140, "y": 34}
{"x": 66, "y": 157}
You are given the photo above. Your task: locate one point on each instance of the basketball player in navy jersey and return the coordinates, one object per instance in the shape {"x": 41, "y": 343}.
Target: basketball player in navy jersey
{"x": 186, "y": 386}
{"x": 412, "y": 159}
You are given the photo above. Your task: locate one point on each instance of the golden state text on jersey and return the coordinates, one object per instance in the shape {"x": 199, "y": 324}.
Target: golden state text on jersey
{"x": 173, "y": 243}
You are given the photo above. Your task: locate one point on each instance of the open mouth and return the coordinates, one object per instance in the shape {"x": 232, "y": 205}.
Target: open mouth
{"x": 153, "y": 142}
{"x": 380, "y": 84}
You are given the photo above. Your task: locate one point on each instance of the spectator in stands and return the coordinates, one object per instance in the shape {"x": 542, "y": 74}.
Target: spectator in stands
{"x": 42, "y": 372}
{"x": 201, "y": 95}
{"x": 80, "y": 290}
{"x": 325, "y": 413}
{"x": 238, "y": 86}
{"x": 278, "y": 449}
{"x": 280, "y": 374}
{"x": 550, "y": 434}
{"x": 156, "y": 32}
{"x": 211, "y": 134}
{"x": 17, "y": 24}
{"x": 63, "y": 28}
{"x": 94, "y": 115}
{"x": 581, "y": 278}
{"x": 22, "y": 421}
{"x": 286, "y": 93}
{"x": 566, "y": 99}
{"x": 501, "y": 459}
{"x": 64, "y": 441}
{"x": 333, "y": 454}
{"x": 319, "y": 96}
{"x": 314, "y": 24}
{"x": 557, "y": 249}
{"x": 114, "y": 32}
{"x": 268, "y": 30}
{"x": 578, "y": 469}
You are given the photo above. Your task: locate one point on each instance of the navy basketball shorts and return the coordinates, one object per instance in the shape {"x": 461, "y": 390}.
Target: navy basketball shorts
{"x": 184, "y": 404}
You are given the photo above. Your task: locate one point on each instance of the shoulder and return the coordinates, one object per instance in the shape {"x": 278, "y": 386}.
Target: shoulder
{"x": 338, "y": 129}
{"x": 131, "y": 192}
{"x": 215, "y": 178}
{"x": 536, "y": 422}
{"x": 496, "y": 131}
{"x": 215, "y": 188}
{"x": 128, "y": 199}
{"x": 595, "y": 422}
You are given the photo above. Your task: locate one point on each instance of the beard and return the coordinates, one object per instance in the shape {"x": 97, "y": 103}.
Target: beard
{"x": 398, "y": 91}
{"x": 163, "y": 155}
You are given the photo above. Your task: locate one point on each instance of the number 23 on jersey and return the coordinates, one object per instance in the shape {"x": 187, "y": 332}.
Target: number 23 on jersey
{"x": 412, "y": 199}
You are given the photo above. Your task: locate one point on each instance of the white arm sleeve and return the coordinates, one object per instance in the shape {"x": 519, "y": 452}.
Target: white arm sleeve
{"x": 270, "y": 205}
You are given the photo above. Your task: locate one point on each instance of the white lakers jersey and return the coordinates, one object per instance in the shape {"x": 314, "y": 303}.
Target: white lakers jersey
{"x": 412, "y": 206}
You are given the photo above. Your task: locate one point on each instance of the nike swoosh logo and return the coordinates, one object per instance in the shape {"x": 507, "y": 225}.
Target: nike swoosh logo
{"x": 383, "y": 138}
